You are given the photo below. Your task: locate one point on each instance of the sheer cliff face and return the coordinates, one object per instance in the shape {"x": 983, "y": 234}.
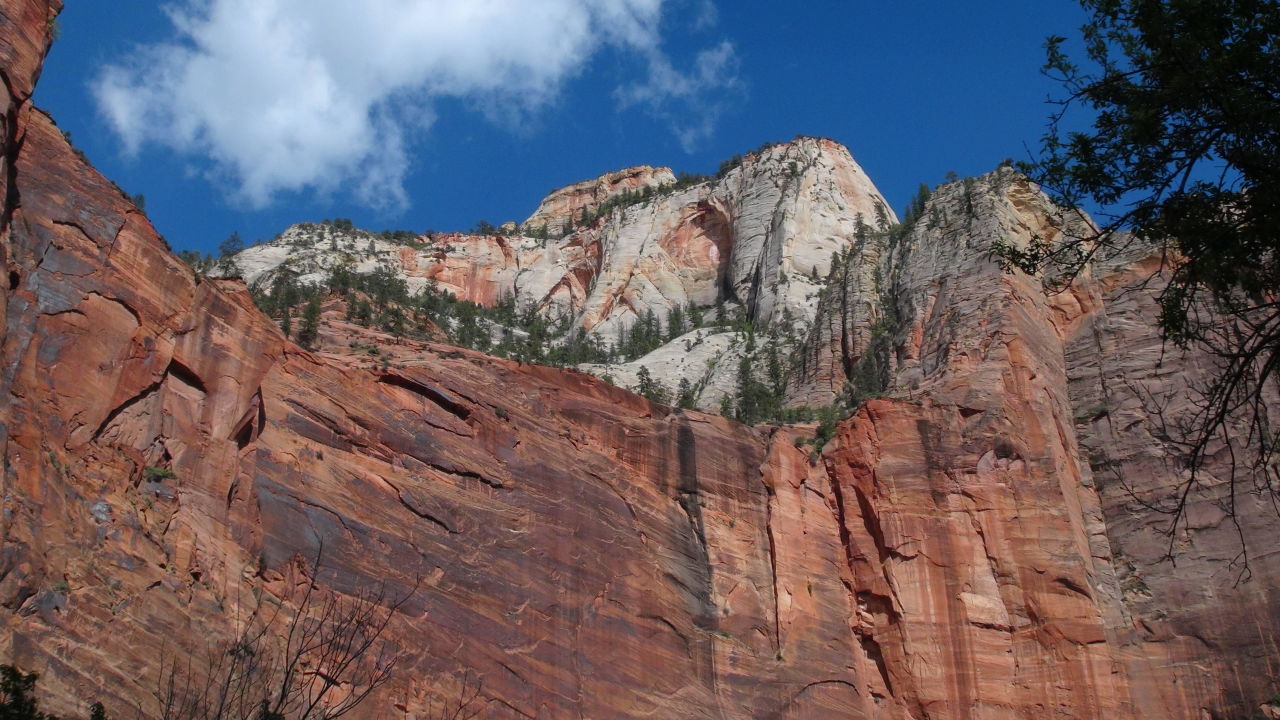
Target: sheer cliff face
{"x": 762, "y": 235}
{"x": 958, "y": 550}
{"x": 1046, "y": 430}
{"x": 760, "y": 238}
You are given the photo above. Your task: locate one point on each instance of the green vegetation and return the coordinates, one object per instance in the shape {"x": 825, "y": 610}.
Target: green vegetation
{"x": 767, "y": 358}
{"x": 203, "y": 264}
{"x": 649, "y": 388}
{"x": 18, "y": 702}
{"x": 767, "y": 361}
{"x": 1180, "y": 156}
{"x": 267, "y": 671}
{"x": 381, "y": 300}
{"x": 629, "y": 197}
{"x": 155, "y": 473}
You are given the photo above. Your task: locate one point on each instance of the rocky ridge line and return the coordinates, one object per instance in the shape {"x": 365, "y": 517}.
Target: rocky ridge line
{"x": 960, "y": 549}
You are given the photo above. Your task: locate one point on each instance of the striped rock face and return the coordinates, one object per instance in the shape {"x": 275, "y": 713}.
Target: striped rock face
{"x": 963, "y": 547}
{"x": 759, "y": 239}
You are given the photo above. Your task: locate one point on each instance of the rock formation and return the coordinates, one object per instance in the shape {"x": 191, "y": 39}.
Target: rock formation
{"x": 962, "y": 548}
{"x": 567, "y": 203}
{"x": 760, "y": 238}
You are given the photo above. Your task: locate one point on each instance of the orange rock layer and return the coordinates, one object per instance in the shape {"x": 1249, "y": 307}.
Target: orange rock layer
{"x": 584, "y": 552}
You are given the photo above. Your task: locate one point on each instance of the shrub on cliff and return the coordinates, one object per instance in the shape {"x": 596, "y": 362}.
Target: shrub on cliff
{"x": 314, "y": 654}
{"x": 17, "y": 697}
{"x": 310, "y": 329}
{"x": 1182, "y": 156}
{"x": 650, "y": 388}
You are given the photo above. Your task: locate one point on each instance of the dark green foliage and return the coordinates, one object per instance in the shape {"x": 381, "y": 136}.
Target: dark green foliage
{"x": 78, "y": 152}
{"x": 483, "y": 227}
{"x": 694, "y": 313}
{"x": 685, "y": 397}
{"x": 579, "y": 348}
{"x": 197, "y": 261}
{"x": 686, "y": 180}
{"x": 828, "y": 418}
{"x": 382, "y": 300}
{"x": 646, "y": 334}
{"x": 1185, "y": 143}
{"x": 156, "y": 474}
{"x": 18, "y": 689}
{"x": 916, "y": 208}
{"x": 630, "y": 197}
{"x": 232, "y": 245}
{"x": 871, "y": 374}
{"x": 1183, "y": 149}
{"x": 882, "y": 216}
{"x": 752, "y": 395}
{"x": 641, "y": 337}
{"x": 392, "y": 320}
{"x": 729, "y": 166}
{"x": 650, "y": 388}
{"x": 226, "y": 252}
{"x": 18, "y": 702}
{"x": 675, "y": 322}
{"x": 757, "y": 400}
{"x": 402, "y": 237}
{"x": 726, "y": 406}
{"x": 539, "y": 232}
{"x": 309, "y": 331}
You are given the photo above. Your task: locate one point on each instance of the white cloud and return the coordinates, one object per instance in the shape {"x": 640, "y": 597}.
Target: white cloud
{"x": 707, "y": 17}
{"x": 690, "y": 101}
{"x": 287, "y": 95}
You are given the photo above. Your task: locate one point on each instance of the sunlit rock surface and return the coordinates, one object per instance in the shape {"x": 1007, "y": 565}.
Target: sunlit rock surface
{"x": 962, "y": 548}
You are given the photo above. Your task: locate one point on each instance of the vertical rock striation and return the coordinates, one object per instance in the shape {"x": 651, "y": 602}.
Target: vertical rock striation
{"x": 965, "y": 546}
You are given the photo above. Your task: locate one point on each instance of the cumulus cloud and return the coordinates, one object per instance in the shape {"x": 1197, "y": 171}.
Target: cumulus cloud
{"x": 287, "y": 95}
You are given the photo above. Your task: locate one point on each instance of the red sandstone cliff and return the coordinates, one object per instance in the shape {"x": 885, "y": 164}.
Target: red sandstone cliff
{"x": 951, "y": 554}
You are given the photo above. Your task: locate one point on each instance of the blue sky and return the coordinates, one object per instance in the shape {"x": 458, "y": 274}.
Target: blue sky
{"x": 487, "y": 115}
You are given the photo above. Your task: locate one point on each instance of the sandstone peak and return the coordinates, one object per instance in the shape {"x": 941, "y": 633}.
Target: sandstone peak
{"x": 568, "y": 202}
{"x": 753, "y": 244}
{"x": 980, "y": 538}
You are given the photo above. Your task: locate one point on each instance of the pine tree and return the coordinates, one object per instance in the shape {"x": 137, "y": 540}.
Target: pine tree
{"x": 726, "y": 405}
{"x": 675, "y": 322}
{"x": 748, "y": 405}
{"x": 310, "y": 329}
{"x": 695, "y": 315}
{"x": 684, "y": 394}
{"x": 650, "y": 388}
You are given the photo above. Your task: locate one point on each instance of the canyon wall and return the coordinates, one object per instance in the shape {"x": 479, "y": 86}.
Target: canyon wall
{"x": 962, "y": 548}
{"x": 758, "y": 242}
